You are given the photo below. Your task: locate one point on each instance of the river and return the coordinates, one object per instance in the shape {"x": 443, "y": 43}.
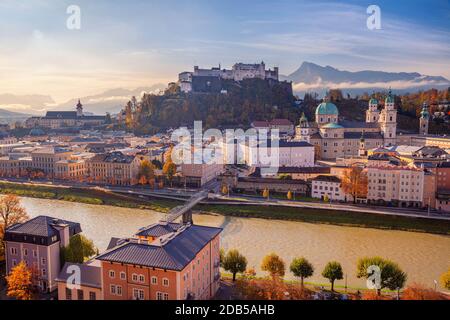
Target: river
{"x": 423, "y": 256}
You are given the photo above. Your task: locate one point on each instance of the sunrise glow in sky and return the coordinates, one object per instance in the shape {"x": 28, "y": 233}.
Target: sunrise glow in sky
{"x": 138, "y": 43}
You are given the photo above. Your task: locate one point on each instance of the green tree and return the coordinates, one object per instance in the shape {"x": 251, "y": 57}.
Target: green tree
{"x": 301, "y": 268}
{"x": 79, "y": 249}
{"x": 333, "y": 271}
{"x": 445, "y": 279}
{"x": 234, "y": 262}
{"x": 391, "y": 276}
{"x": 273, "y": 264}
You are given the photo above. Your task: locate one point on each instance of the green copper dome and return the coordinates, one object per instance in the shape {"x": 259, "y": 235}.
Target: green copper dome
{"x": 424, "y": 113}
{"x": 373, "y": 101}
{"x": 389, "y": 98}
{"x": 327, "y": 108}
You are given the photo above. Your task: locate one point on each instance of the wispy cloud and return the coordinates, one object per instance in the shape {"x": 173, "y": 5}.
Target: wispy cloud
{"x": 133, "y": 44}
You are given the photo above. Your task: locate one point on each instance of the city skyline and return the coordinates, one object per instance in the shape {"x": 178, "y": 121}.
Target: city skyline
{"x": 151, "y": 42}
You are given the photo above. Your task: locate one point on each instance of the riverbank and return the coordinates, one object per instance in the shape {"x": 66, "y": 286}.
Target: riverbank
{"x": 320, "y": 216}
{"x": 88, "y": 196}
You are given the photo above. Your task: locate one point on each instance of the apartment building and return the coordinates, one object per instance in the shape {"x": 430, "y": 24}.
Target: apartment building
{"x": 149, "y": 266}
{"x": 90, "y": 281}
{"x": 200, "y": 174}
{"x": 328, "y": 186}
{"x": 290, "y": 153}
{"x": 71, "y": 169}
{"x": 44, "y": 159}
{"x": 37, "y": 242}
{"x": 443, "y": 187}
{"x": 114, "y": 168}
{"x": 392, "y": 182}
{"x": 14, "y": 166}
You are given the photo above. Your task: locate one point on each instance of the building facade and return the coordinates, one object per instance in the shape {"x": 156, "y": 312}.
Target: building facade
{"x": 38, "y": 242}
{"x": 61, "y": 119}
{"x": 114, "y": 168}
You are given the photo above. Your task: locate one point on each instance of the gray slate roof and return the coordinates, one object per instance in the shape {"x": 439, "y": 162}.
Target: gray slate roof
{"x": 91, "y": 275}
{"x": 174, "y": 254}
{"x": 43, "y": 226}
{"x": 158, "y": 229}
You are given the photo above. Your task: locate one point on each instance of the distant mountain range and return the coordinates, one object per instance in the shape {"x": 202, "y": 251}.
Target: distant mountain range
{"x": 11, "y": 114}
{"x": 313, "y": 77}
{"x": 111, "y": 101}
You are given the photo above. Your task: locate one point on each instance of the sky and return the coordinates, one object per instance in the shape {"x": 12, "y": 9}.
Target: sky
{"x": 131, "y": 44}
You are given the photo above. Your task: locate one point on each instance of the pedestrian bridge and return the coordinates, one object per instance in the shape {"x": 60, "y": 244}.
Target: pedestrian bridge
{"x": 185, "y": 210}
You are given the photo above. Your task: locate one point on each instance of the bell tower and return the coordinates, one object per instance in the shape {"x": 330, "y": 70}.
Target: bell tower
{"x": 388, "y": 120}
{"x": 424, "y": 119}
{"x": 373, "y": 114}
{"x": 79, "y": 109}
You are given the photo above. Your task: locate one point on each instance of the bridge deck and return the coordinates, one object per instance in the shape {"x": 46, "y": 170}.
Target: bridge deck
{"x": 178, "y": 211}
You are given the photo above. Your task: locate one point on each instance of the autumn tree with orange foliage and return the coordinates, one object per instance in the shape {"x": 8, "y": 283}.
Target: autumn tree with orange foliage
{"x": 274, "y": 265}
{"x": 11, "y": 212}
{"x": 354, "y": 182}
{"x": 20, "y": 282}
{"x": 420, "y": 292}
{"x": 373, "y": 295}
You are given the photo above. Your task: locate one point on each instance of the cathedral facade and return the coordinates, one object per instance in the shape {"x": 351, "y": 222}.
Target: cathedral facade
{"x": 333, "y": 138}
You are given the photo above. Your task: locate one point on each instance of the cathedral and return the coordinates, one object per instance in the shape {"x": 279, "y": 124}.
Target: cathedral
{"x": 333, "y": 138}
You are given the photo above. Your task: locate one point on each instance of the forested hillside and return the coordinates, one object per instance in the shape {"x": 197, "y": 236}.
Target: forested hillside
{"x": 250, "y": 100}
{"x": 256, "y": 99}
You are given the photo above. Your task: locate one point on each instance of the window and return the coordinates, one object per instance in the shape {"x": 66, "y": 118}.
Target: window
{"x": 138, "y": 294}
{"x": 112, "y": 274}
{"x": 43, "y": 261}
{"x": 34, "y": 253}
{"x": 14, "y": 251}
{"x": 80, "y": 294}
{"x": 154, "y": 280}
{"x": 165, "y": 282}
{"x": 159, "y": 296}
{"x": 141, "y": 278}
{"x": 44, "y": 272}
{"x": 123, "y": 275}
{"x": 92, "y": 296}
{"x": 25, "y": 252}
{"x": 112, "y": 289}
{"x": 68, "y": 294}
{"x": 119, "y": 290}
{"x": 134, "y": 277}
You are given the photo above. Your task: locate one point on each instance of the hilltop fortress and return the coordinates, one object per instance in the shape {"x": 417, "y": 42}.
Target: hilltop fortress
{"x": 210, "y": 80}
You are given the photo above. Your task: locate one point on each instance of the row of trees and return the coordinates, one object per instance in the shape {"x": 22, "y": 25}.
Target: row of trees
{"x": 391, "y": 276}
{"x": 354, "y": 183}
